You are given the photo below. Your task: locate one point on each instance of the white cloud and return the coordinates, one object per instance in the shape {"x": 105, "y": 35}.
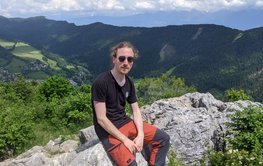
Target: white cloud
{"x": 109, "y": 5}
{"x": 202, "y": 5}
{"x": 259, "y": 3}
{"x": 64, "y": 5}
{"x": 43, "y": 7}
{"x": 36, "y": 6}
{"x": 144, "y": 5}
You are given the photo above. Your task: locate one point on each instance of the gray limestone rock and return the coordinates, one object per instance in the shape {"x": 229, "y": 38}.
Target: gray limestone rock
{"x": 194, "y": 121}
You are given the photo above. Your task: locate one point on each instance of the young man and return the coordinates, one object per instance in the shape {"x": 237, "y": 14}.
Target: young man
{"x": 120, "y": 135}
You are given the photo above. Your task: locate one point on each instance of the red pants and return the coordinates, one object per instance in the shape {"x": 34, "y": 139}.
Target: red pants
{"x": 156, "y": 146}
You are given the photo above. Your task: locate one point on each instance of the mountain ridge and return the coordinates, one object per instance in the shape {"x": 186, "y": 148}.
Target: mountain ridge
{"x": 210, "y": 57}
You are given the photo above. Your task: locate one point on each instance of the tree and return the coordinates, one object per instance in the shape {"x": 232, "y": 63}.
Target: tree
{"x": 234, "y": 95}
{"x": 16, "y": 128}
{"x": 55, "y": 86}
{"x": 73, "y": 111}
{"x": 22, "y": 88}
{"x": 155, "y": 88}
{"x": 66, "y": 106}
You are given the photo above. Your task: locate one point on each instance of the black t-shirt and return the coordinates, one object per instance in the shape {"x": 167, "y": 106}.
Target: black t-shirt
{"x": 106, "y": 89}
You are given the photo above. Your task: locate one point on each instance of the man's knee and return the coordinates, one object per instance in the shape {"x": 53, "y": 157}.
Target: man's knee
{"x": 166, "y": 137}
{"x": 163, "y": 137}
{"x": 121, "y": 156}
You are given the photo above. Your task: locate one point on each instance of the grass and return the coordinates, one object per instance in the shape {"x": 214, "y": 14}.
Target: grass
{"x": 24, "y": 50}
{"x": 70, "y": 67}
{"x": 238, "y": 37}
{"x": 16, "y": 65}
{"x": 170, "y": 71}
{"x": 44, "y": 133}
{"x": 38, "y": 75}
{"x": 6, "y": 44}
{"x": 25, "y": 53}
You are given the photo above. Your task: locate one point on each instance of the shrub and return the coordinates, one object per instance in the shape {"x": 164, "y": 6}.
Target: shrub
{"x": 155, "y": 88}
{"x": 22, "y": 88}
{"x": 173, "y": 160}
{"x": 16, "y": 128}
{"x": 72, "y": 111}
{"x": 55, "y": 86}
{"x": 245, "y": 142}
{"x": 234, "y": 95}
{"x": 247, "y": 130}
{"x": 235, "y": 157}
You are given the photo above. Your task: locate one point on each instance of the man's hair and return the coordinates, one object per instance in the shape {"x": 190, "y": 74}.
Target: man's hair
{"x": 123, "y": 45}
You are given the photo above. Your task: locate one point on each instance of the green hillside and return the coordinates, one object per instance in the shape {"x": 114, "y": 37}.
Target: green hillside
{"x": 20, "y": 57}
{"x": 25, "y": 51}
{"x": 210, "y": 57}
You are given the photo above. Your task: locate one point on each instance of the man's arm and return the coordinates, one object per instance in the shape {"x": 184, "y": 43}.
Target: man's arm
{"x": 137, "y": 117}
{"x": 104, "y": 122}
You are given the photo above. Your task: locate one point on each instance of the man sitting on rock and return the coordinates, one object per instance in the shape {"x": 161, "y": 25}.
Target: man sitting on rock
{"x": 121, "y": 136}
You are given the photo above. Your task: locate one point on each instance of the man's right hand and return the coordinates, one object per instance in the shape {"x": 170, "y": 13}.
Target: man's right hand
{"x": 131, "y": 145}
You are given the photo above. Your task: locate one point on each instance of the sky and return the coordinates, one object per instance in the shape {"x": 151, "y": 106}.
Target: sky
{"x": 126, "y": 12}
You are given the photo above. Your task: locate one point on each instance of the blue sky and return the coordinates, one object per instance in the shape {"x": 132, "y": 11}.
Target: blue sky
{"x": 242, "y": 14}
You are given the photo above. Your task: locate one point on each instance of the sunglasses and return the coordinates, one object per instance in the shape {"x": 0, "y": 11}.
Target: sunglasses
{"x": 129, "y": 58}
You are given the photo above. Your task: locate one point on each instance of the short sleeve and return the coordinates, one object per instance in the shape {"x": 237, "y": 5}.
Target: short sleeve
{"x": 99, "y": 90}
{"x": 132, "y": 97}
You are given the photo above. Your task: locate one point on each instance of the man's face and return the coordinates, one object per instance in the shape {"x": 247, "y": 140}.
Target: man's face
{"x": 124, "y": 60}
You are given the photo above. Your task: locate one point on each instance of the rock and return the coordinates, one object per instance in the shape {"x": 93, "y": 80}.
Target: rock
{"x": 88, "y": 135}
{"x": 194, "y": 121}
{"x": 68, "y": 146}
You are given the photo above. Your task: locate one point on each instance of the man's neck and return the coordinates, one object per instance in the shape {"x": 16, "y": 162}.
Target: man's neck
{"x": 120, "y": 78}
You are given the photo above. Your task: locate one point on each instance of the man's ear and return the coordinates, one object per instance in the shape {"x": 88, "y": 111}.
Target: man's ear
{"x": 113, "y": 59}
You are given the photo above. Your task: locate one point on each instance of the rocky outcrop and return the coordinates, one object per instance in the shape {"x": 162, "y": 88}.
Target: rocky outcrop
{"x": 68, "y": 153}
{"x": 194, "y": 121}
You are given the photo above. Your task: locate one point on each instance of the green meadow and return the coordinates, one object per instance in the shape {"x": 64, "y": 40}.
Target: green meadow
{"x": 25, "y": 51}
{"x": 6, "y": 44}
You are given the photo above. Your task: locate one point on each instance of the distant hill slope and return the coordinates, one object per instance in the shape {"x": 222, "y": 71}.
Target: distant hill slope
{"x": 211, "y": 57}
{"x": 19, "y": 57}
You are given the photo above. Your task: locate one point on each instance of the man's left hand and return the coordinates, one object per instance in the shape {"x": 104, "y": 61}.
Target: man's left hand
{"x": 139, "y": 142}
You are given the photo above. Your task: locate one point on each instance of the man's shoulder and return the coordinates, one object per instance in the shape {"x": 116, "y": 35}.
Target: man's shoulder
{"x": 129, "y": 79}
{"x": 102, "y": 77}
